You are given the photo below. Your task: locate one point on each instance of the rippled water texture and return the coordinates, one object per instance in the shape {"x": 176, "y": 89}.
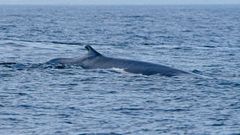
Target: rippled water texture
{"x": 203, "y": 39}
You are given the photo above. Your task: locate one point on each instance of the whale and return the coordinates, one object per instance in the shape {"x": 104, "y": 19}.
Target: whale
{"x": 95, "y": 60}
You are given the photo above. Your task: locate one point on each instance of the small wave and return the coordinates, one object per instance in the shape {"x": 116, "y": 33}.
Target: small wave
{"x": 128, "y": 109}
{"x": 136, "y": 16}
{"x": 228, "y": 83}
{"x": 100, "y": 134}
{"x": 197, "y": 71}
{"x": 7, "y": 64}
{"x": 209, "y": 46}
{"x": 14, "y": 44}
{"x": 13, "y": 65}
{"x": 66, "y": 43}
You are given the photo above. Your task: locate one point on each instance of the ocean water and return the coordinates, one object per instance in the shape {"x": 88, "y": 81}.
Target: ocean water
{"x": 75, "y": 101}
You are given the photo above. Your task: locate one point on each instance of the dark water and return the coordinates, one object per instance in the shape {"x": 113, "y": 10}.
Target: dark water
{"x": 73, "y": 101}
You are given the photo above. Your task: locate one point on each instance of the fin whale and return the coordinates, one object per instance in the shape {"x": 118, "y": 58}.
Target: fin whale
{"x": 95, "y": 60}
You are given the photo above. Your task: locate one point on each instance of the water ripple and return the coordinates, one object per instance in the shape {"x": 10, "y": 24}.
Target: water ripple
{"x": 38, "y": 99}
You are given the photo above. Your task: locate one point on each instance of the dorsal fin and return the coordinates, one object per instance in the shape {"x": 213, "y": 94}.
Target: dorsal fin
{"x": 91, "y": 51}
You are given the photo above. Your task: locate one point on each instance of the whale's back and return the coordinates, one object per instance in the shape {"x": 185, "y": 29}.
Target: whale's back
{"x": 132, "y": 66}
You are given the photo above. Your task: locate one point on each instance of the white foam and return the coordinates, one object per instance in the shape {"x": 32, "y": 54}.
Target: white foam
{"x": 119, "y": 70}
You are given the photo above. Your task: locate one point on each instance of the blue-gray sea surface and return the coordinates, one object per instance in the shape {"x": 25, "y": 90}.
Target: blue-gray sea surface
{"x": 75, "y": 101}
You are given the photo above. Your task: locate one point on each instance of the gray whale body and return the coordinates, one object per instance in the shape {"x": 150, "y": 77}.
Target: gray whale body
{"x": 95, "y": 60}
